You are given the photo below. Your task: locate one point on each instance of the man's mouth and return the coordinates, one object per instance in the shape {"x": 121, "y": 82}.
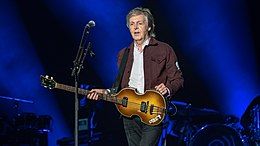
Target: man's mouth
{"x": 136, "y": 33}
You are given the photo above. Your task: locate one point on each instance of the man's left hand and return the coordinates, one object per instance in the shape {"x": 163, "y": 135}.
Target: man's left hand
{"x": 162, "y": 89}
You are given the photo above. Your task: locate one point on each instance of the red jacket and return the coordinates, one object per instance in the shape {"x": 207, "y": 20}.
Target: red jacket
{"x": 160, "y": 66}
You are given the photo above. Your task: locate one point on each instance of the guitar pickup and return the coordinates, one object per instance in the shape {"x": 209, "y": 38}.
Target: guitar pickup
{"x": 151, "y": 109}
{"x": 144, "y": 106}
{"x": 124, "y": 101}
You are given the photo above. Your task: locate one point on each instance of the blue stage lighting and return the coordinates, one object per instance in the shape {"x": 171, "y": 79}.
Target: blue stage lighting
{"x": 108, "y": 36}
{"x": 217, "y": 38}
{"x": 20, "y": 70}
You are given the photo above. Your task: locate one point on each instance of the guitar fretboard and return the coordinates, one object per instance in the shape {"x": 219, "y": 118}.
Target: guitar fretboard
{"x": 71, "y": 89}
{"x": 106, "y": 97}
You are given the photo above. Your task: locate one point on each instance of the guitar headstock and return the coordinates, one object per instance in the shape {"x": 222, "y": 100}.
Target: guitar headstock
{"x": 48, "y": 82}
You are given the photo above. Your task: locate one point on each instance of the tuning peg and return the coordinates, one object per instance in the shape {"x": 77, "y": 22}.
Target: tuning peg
{"x": 52, "y": 78}
{"x": 47, "y": 76}
{"x": 45, "y": 86}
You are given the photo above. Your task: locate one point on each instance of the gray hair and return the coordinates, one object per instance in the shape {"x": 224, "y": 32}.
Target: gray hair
{"x": 147, "y": 13}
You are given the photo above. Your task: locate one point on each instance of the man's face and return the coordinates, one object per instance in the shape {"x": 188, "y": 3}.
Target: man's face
{"x": 138, "y": 26}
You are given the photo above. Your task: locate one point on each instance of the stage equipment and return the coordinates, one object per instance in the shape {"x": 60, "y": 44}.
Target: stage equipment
{"x": 186, "y": 127}
{"x": 26, "y": 121}
{"x": 22, "y": 128}
{"x": 44, "y": 123}
{"x": 217, "y": 135}
{"x": 77, "y": 66}
{"x": 250, "y": 120}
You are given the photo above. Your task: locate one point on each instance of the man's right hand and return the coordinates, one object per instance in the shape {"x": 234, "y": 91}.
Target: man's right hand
{"x": 94, "y": 94}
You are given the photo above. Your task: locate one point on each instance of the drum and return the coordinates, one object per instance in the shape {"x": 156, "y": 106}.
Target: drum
{"x": 217, "y": 135}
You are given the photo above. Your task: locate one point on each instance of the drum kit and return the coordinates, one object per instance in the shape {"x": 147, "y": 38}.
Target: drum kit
{"x": 15, "y": 124}
{"x": 207, "y": 127}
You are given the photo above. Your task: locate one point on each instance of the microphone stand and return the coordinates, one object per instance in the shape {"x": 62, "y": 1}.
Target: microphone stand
{"x": 78, "y": 65}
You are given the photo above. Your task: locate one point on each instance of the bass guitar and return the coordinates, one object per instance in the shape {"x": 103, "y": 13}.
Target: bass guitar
{"x": 150, "y": 106}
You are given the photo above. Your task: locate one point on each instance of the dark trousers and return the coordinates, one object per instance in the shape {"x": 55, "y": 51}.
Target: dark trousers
{"x": 140, "y": 134}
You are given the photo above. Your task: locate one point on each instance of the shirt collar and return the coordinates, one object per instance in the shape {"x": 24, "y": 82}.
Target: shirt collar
{"x": 145, "y": 43}
{"x": 152, "y": 42}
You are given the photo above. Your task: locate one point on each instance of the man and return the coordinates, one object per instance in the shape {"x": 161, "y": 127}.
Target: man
{"x": 151, "y": 64}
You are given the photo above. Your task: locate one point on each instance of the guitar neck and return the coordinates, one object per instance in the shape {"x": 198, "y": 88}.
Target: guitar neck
{"x": 71, "y": 89}
{"x": 106, "y": 97}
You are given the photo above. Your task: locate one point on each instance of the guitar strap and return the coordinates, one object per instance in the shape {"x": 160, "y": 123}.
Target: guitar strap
{"x": 117, "y": 83}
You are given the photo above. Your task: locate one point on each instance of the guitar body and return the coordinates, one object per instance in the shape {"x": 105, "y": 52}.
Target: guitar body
{"x": 150, "y": 106}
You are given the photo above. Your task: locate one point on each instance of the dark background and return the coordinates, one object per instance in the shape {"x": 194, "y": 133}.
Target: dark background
{"x": 54, "y": 36}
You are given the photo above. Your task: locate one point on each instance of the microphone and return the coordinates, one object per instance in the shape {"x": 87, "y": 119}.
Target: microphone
{"x": 90, "y": 24}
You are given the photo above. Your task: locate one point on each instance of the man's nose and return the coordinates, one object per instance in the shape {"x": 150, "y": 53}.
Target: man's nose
{"x": 136, "y": 26}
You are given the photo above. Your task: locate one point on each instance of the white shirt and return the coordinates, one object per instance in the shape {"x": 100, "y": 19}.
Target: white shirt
{"x": 136, "y": 79}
